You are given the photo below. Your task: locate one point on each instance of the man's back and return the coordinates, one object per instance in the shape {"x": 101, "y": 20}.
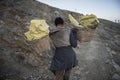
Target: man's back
{"x": 61, "y": 38}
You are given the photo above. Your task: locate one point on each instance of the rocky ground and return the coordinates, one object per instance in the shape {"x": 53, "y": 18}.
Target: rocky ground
{"x": 20, "y": 59}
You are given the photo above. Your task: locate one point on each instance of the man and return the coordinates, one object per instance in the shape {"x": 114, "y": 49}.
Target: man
{"x": 64, "y": 58}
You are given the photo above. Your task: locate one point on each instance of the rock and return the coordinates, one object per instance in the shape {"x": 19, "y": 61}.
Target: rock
{"x": 116, "y": 77}
{"x": 116, "y": 66}
{"x": 107, "y": 61}
{"x": 77, "y": 72}
{"x": 113, "y": 53}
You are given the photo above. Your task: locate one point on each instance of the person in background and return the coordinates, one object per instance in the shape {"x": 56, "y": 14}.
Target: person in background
{"x": 64, "y": 58}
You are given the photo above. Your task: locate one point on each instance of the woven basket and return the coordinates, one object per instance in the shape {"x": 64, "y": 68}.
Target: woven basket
{"x": 85, "y": 35}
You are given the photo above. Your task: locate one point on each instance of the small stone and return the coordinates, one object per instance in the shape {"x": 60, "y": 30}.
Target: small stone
{"x": 77, "y": 72}
{"x": 116, "y": 66}
{"x": 107, "y": 61}
{"x": 73, "y": 78}
{"x": 113, "y": 53}
{"x": 116, "y": 77}
{"x": 108, "y": 49}
{"x": 17, "y": 17}
{"x": 15, "y": 38}
{"x": 106, "y": 44}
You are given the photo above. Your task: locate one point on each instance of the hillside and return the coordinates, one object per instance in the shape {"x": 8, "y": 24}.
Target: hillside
{"x": 20, "y": 59}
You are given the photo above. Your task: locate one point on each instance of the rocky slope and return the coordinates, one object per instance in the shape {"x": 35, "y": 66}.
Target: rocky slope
{"x": 24, "y": 60}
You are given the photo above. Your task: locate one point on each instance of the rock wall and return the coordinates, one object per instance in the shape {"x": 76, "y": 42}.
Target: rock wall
{"x": 24, "y": 60}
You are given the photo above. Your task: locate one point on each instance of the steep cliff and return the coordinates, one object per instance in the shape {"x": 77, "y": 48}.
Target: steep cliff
{"x": 20, "y": 59}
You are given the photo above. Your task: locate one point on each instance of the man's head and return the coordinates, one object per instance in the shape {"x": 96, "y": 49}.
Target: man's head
{"x": 59, "y": 22}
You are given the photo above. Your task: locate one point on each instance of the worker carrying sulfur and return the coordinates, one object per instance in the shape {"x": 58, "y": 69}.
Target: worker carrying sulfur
{"x": 63, "y": 39}
{"x": 64, "y": 58}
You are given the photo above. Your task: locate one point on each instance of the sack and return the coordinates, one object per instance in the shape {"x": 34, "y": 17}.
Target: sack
{"x": 73, "y": 39}
{"x": 89, "y": 21}
{"x": 74, "y": 21}
{"x": 38, "y": 29}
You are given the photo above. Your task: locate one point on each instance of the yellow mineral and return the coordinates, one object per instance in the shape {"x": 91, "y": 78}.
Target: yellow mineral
{"x": 89, "y": 21}
{"x": 74, "y": 21}
{"x": 38, "y": 29}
